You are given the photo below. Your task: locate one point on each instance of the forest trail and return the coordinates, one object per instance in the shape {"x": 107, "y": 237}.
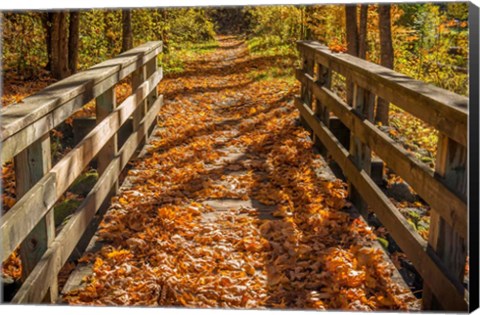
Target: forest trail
{"x": 228, "y": 206}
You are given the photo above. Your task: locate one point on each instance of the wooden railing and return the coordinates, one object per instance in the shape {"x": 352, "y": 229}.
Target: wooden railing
{"x": 29, "y": 224}
{"x": 441, "y": 260}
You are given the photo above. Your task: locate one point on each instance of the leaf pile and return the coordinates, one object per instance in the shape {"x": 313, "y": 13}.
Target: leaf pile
{"x": 282, "y": 238}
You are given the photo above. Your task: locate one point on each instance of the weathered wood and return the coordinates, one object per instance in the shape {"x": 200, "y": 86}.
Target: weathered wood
{"x": 308, "y": 67}
{"x": 323, "y": 78}
{"x": 445, "y": 287}
{"x": 105, "y": 104}
{"x": 444, "y": 110}
{"x": 30, "y": 166}
{"x": 36, "y": 115}
{"x": 363, "y": 104}
{"x": 449, "y": 205}
{"x": 451, "y": 168}
{"x": 29, "y": 210}
{"x": 56, "y": 256}
{"x": 82, "y": 126}
{"x": 151, "y": 67}
{"x": 138, "y": 77}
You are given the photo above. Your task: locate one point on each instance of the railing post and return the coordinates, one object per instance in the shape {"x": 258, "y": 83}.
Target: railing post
{"x": 451, "y": 169}
{"x": 138, "y": 77}
{"x": 30, "y": 166}
{"x": 105, "y": 104}
{"x": 306, "y": 92}
{"x": 151, "y": 67}
{"x": 363, "y": 103}
{"x": 323, "y": 78}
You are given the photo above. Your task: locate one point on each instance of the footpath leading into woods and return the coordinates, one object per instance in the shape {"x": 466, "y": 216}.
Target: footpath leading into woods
{"x": 229, "y": 206}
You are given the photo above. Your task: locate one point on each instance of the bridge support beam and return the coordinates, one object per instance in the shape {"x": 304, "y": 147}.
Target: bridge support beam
{"x": 451, "y": 248}
{"x": 30, "y": 166}
{"x": 364, "y": 104}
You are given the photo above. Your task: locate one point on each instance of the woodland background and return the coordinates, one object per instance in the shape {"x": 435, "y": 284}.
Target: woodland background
{"x": 429, "y": 41}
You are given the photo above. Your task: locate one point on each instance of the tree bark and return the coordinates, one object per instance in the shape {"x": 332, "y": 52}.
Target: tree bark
{"x": 59, "y": 46}
{"x": 308, "y": 16}
{"x": 73, "y": 41}
{"x": 352, "y": 42}
{"x": 386, "y": 56}
{"x": 352, "y": 32}
{"x": 362, "y": 35}
{"x": 127, "y": 35}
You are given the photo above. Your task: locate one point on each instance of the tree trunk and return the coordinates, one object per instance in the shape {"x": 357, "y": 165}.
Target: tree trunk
{"x": 59, "y": 45}
{"x": 127, "y": 35}
{"x": 386, "y": 56}
{"x": 352, "y": 33}
{"x": 362, "y": 35}
{"x": 352, "y": 42}
{"x": 308, "y": 16}
{"x": 73, "y": 41}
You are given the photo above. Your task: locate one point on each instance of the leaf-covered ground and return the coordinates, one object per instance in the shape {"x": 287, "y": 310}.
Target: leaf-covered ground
{"x": 228, "y": 209}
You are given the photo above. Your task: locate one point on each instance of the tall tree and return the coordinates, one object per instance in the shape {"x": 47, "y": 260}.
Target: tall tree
{"x": 386, "y": 55}
{"x": 127, "y": 35}
{"x": 62, "y": 31}
{"x": 59, "y": 45}
{"x": 362, "y": 34}
{"x": 73, "y": 35}
{"x": 309, "y": 10}
{"x": 352, "y": 32}
{"x": 352, "y": 41}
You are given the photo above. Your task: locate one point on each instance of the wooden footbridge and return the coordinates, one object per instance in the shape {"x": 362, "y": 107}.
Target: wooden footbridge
{"x": 343, "y": 131}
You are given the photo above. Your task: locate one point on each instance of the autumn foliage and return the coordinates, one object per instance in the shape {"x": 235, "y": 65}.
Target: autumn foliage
{"x": 230, "y": 206}
{"x": 165, "y": 243}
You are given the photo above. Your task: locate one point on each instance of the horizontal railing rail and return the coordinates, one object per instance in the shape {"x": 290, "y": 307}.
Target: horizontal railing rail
{"x": 440, "y": 260}
{"x": 29, "y": 224}
{"x": 25, "y": 122}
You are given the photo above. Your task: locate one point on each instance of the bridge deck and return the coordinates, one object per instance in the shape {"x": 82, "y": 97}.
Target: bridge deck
{"x": 228, "y": 206}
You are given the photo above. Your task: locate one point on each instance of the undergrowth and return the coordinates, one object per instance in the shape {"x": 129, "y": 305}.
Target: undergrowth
{"x": 173, "y": 60}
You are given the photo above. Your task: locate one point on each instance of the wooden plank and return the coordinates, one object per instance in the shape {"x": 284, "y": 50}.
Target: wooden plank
{"x": 30, "y": 166}
{"x": 451, "y": 168}
{"x": 363, "y": 104}
{"x": 17, "y": 116}
{"x": 323, "y": 78}
{"x": 428, "y": 265}
{"x": 306, "y": 94}
{"x": 56, "y": 256}
{"x": 444, "y": 110}
{"x": 447, "y": 203}
{"x": 138, "y": 77}
{"x": 28, "y": 211}
{"x": 25, "y": 122}
{"x": 151, "y": 67}
{"x": 105, "y": 104}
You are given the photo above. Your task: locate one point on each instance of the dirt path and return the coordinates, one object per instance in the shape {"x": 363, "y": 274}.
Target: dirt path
{"x": 229, "y": 207}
